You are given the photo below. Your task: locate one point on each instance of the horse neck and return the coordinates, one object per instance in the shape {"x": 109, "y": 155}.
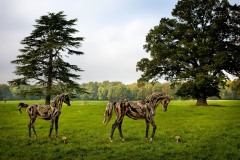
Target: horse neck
{"x": 58, "y": 102}
{"x": 155, "y": 103}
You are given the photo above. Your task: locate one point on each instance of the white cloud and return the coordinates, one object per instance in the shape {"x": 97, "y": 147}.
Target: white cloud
{"x": 113, "y": 52}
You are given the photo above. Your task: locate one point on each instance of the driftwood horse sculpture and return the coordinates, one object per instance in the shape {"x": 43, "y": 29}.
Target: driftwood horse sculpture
{"x": 47, "y": 112}
{"x": 140, "y": 110}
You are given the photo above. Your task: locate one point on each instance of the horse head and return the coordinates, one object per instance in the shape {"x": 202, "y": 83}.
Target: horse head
{"x": 165, "y": 101}
{"x": 157, "y": 98}
{"x": 66, "y": 99}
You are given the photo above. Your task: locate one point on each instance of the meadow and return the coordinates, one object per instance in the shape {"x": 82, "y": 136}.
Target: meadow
{"x": 210, "y": 132}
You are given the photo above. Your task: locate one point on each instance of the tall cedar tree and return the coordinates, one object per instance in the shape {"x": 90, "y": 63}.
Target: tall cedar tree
{"x": 41, "y": 61}
{"x": 195, "y": 48}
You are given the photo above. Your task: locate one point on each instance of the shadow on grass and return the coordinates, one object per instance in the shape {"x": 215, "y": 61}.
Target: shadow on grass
{"x": 215, "y": 105}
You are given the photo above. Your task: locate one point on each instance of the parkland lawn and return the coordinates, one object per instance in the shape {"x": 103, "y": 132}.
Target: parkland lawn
{"x": 211, "y": 132}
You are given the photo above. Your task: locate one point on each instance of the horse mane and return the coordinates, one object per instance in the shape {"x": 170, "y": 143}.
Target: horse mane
{"x": 155, "y": 95}
{"x": 57, "y": 101}
{"x": 155, "y": 98}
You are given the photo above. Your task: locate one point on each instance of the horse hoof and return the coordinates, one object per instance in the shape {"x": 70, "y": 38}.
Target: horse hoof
{"x": 123, "y": 139}
{"x": 111, "y": 140}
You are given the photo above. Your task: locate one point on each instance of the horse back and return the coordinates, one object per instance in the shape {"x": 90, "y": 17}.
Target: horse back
{"x": 42, "y": 112}
{"x": 32, "y": 109}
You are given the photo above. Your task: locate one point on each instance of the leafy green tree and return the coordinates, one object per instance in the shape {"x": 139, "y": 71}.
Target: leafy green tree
{"x": 157, "y": 87}
{"x": 235, "y": 88}
{"x": 195, "y": 47}
{"x": 103, "y": 90}
{"x": 5, "y": 92}
{"x": 133, "y": 91}
{"x": 92, "y": 88}
{"x": 112, "y": 94}
{"x": 122, "y": 91}
{"x": 42, "y": 59}
{"x": 84, "y": 96}
{"x": 102, "y": 93}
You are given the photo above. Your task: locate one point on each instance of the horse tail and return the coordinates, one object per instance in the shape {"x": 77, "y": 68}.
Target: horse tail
{"x": 108, "y": 111}
{"x": 20, "y": 107}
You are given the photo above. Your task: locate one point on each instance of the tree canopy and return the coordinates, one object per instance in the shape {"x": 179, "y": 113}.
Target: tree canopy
{"x": 42, "y": 59}
{"x": 195, "y": 48}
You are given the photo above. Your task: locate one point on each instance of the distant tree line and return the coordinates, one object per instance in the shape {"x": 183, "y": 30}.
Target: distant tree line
{"x": 117, "y": 90}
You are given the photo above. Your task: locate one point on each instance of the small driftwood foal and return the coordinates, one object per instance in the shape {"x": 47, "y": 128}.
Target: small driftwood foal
{"x": 140, "y": 110}
{"x": 48, "y": 112}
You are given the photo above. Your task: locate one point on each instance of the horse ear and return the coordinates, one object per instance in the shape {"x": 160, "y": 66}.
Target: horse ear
{"x": 66, "y": 94}
{"x": 126, "y": 103}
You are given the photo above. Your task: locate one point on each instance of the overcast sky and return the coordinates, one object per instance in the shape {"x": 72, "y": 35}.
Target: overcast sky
{"x": 114, "y": 32}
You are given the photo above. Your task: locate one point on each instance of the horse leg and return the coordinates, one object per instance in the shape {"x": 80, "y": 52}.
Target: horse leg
{"x": 56, "y": 127}
{"x": 147, "y": 129}
{"x": 31, "y": 125}
{"x": 29, "y": 129}
{"x": 51, "y": 128}
{"x": 154, "y": 129}
{"x": 113, "y": 129}
{"x": 120, "y": 128}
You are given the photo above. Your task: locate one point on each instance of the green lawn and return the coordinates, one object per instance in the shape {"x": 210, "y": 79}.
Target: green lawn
{"x": 211, "y": 132}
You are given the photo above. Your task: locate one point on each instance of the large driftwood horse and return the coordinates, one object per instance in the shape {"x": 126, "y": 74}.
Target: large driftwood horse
{"x": 140, "y": 110}
{"x": 47, "y": 112}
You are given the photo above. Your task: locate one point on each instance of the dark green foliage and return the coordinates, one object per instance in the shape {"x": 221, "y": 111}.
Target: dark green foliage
{"x": 42, "y": 56}
{"x": 5, "y": 92}
{"x": 196, "y": 48}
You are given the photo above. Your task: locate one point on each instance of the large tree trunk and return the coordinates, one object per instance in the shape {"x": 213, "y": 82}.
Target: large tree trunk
{"x": 47, "y": 99}
{"x": 49, "y": 79}
{"x": 201, "y": 101}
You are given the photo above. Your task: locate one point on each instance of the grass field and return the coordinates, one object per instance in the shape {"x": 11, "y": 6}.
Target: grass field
{"x": 211, "y": 132}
